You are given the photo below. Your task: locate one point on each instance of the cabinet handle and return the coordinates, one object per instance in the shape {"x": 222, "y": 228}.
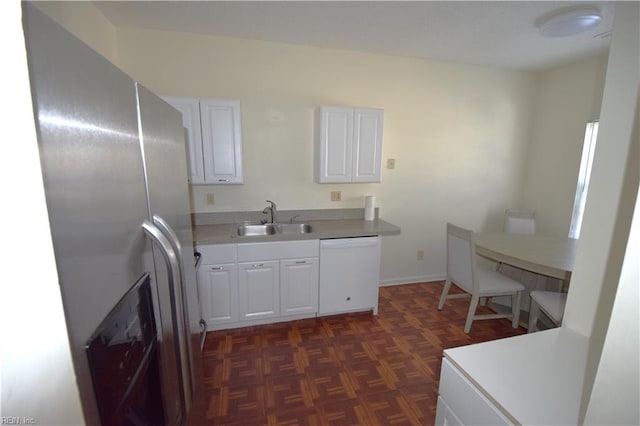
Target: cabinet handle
{"x": 301, "y": 261}
{"x": 217, "y": 268}
{"x": 224, "y": 180}
{"x": 257, "y": 265}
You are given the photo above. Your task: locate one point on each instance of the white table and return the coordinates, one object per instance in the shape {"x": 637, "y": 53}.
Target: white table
{"x": 541, "y": 254}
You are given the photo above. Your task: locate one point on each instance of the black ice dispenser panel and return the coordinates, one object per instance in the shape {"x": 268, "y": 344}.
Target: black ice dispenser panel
{"x": 124, "y": 363}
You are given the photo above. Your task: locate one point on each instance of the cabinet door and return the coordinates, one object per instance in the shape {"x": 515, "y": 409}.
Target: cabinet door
{"x": 445, "y": 415}
{"x": 465, "y": 400}
{"x": 258, "y": 285}
{"x": 367, "y": 144}
{"x": 335, "y": 145}
{"x": 299, "y": 286}
{"x": 221, "y": 141}
{"x": 190, "y": 110}
{"x": 218, "y": 288}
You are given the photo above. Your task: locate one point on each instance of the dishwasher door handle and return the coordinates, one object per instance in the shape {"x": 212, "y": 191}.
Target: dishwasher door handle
{"x": 341, "y": 243}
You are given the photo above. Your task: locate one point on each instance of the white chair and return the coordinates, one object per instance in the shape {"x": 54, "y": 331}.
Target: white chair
{"x": 476, "y": 280}
{"x": 519, "y": 222}
{"x": 551, "y": 303}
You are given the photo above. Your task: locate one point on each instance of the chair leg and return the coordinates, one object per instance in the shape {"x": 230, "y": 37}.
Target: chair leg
{"x": 534, "y": 310}
{"x": 515, "y": 309}
{"x": 445, "y": 292}
{"x": 473, "y": 305}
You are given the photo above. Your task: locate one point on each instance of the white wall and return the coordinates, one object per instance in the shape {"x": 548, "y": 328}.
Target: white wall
{"x": 612, "y": 194}
{"x": 469, "y": 141}
{"x": 37, "y": 378}
{"x": 616, "y": 389}
{"x": 458, "y": 133}
{"x": 86, "y": 22}
{"x": 601, "y": 246}
{"x": 567, "y": 98}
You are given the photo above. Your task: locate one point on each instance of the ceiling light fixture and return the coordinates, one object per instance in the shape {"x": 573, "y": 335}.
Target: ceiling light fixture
{"x": 569, "y": 21}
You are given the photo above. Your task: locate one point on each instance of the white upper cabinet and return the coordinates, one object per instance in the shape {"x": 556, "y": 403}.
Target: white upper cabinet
{"x": 334, "y": 147}
{"x": 190, "y": 110}
{"x": 214, "y": 142}
{"x": 348, "y": 145}
{"x": 221, "y": 147}
{"x": 367, "y": 144}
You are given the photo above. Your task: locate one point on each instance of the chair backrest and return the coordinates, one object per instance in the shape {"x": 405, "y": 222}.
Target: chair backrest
{"x": 461, "y": 254}
{"x": 519, "y": 222}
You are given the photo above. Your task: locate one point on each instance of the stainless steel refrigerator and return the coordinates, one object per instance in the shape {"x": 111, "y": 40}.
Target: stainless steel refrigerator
{"x": 114, "y": 165}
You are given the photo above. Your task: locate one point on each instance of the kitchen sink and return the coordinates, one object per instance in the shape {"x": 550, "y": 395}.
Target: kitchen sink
{"x": 293, "y": 228}
{"x": 256, "y": 230}
{"x": 249, "y": 230}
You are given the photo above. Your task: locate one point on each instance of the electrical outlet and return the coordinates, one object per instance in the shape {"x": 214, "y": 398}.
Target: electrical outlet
{"x": 336, "y": 195}
{"x": 420, "y": 255}
{"x": 391, "y": 163}
{"x": 210, "y": 199}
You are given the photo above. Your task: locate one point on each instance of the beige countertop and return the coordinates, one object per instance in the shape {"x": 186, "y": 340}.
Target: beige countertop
{"x": 333, "y": 228}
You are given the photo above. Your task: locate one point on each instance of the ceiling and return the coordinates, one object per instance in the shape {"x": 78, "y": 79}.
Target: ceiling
{"x": 488, "y": 33}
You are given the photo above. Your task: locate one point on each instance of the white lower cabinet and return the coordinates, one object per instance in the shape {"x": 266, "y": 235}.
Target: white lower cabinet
{"x": 299, "y": 286}
{"x": 258, "y": 285}
{"x": 218, "y": 285}
{"x": 460, "y": 402}
{"x": 445, "y": 415}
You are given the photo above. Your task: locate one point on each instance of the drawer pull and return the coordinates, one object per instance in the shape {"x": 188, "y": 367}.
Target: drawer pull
{"x": 217, "y": 268}
{"x": 301, "y": 261}
{"x": 258, "y": 265}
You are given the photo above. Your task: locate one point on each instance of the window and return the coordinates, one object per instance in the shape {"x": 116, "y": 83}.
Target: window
{"x": 583, "y": 178}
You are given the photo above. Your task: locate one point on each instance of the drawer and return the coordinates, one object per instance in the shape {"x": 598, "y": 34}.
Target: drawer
{"x": 249, "y": 252}
{"x": 465, "y": 400}
{"x": 217, "y": 253}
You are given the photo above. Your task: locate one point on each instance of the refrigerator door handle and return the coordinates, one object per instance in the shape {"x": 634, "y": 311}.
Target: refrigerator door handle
{"x": 172, "y": 263}
{"x": 174, "y": 241}
{"x": 170, "y": 234}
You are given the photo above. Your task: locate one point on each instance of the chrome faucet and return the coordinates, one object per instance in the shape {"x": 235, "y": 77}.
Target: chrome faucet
{"x": 272, "y": 210}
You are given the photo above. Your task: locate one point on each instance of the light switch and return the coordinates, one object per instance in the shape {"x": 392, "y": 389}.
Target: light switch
{"x": 336, "y": 195}
{"x": 391, "y": 163}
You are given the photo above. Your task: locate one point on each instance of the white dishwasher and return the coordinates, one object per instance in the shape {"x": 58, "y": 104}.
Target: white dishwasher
{"x": 349, "y": 274}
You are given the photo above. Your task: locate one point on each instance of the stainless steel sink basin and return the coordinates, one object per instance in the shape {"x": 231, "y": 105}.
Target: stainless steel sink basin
{"x": 293, "y": 228}
{"x": 249, "y": 230}
{"x": 256, "y": 230}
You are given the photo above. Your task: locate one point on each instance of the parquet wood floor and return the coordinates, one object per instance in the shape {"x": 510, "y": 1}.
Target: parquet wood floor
{"x": 344, "y": 369}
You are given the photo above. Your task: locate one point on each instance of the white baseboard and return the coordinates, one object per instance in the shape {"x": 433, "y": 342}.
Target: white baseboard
{"x": 412, "y": 280}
